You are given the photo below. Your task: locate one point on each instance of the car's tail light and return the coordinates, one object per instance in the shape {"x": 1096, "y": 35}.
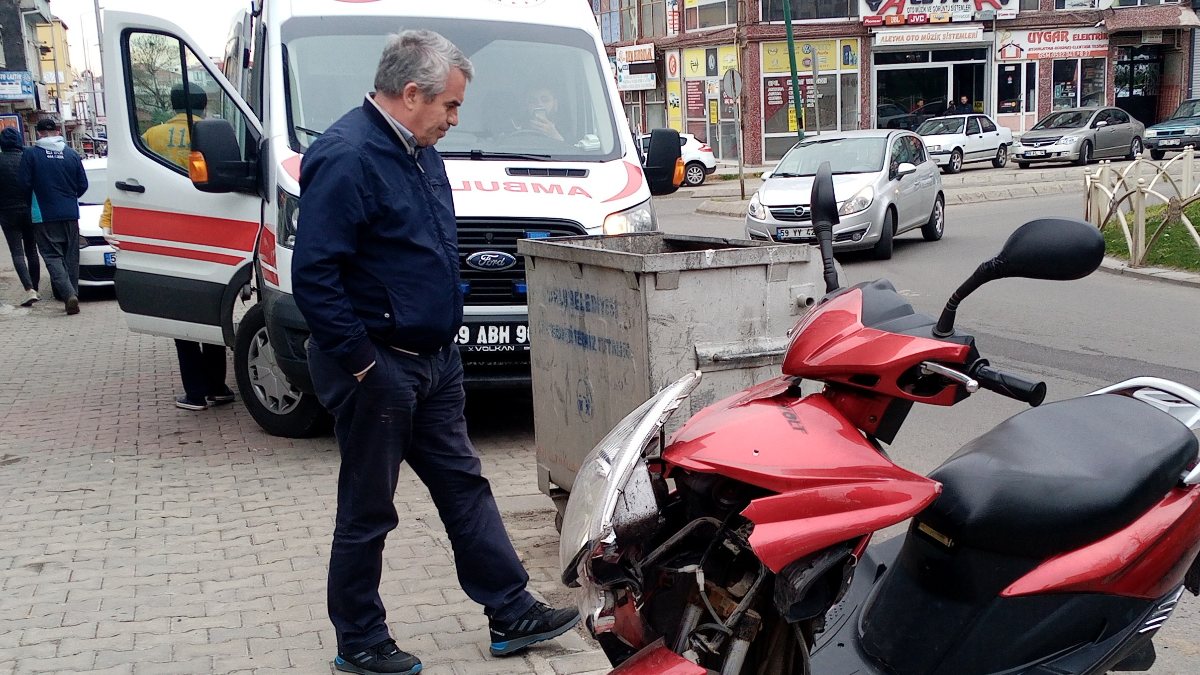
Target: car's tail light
{"x": 705, "y": 148}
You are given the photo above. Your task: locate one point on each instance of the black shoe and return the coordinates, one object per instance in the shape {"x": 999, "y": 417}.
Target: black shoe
{"x": 540, "y": 623}
{"x": 188, "y": 404}
{"x": 221, "y": 399}
{"x": 384, "y": 657}
{"x": 72, "y": 305}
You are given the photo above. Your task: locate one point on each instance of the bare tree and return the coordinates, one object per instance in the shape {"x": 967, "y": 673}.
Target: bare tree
{"x": 155, "y": 67}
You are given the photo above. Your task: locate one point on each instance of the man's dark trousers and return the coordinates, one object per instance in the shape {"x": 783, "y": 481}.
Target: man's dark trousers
{"x": 202, "y": 369}
{"x": 408, "y": 408}
{"x": 58, "y": 240}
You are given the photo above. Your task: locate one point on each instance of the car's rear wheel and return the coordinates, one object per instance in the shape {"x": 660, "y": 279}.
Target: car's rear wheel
{"x": 1085, "y": 154}
{"x": 1158, "y": 154}
{"x": 883, "y": 247}
{"x": 1135, "y": 148}
{"x": 933, "y": 229}
{"x": 274, "y": 402}
{"x": 693, "y": 174}
{"x": 956, "y": 161}
{"x": 1001, "y": 159}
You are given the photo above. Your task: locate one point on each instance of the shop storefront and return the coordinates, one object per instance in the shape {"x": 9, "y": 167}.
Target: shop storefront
{"x": 1068, "y": 64}
{"x": 923, "y": 72}
{"x": 17, "y": 99}
{"x": 709, "y": 116}
{"x": 828, "y": 74}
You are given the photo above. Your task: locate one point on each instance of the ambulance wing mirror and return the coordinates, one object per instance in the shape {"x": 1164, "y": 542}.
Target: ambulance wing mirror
{"x": 216, "y": 164}
{"x": 664, "y": 168}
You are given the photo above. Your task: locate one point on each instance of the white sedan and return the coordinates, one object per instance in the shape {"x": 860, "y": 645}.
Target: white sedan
{"x": 955, "y": 140}
{"x": 698, "y": 158}
{"x": 97, "y": 259}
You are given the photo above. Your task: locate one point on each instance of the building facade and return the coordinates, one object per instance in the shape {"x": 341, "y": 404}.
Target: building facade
{"x": 879, "y": 63}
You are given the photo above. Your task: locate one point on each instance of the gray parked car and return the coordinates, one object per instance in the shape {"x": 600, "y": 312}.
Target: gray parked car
{"x": 1080, "y": 135}
{"x": 885, "y": 183}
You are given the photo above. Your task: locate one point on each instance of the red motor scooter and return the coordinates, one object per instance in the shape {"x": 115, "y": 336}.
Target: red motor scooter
{"x": 1058, "y": 542}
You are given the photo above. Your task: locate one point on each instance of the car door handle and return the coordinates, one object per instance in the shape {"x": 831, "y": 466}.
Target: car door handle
{"x": 130, "y": 186}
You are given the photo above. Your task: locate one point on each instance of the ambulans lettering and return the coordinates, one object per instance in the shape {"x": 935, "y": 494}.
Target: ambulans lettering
{"x": 521, "y": 186}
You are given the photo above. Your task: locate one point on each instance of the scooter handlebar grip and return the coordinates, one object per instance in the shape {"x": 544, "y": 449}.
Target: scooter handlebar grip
{"x": 1012, "y": 386}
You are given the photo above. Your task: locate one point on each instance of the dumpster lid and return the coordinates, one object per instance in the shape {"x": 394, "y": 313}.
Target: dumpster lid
{"x": 647, "y": 252}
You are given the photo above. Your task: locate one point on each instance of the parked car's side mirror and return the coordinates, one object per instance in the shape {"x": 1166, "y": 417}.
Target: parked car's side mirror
{"x": 905, "y": 168}
{"x": 216, "y": 163}
{"x": 1100, "y": 123}
{"x": 664, "y": 168}
{"x": 765, "y": 175}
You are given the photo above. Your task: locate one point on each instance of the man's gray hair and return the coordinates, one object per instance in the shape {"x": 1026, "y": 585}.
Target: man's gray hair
{"x": 422, "y": 57}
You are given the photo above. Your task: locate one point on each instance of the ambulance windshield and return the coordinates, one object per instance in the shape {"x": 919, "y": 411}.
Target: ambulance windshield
{"x": 538, "y": 92}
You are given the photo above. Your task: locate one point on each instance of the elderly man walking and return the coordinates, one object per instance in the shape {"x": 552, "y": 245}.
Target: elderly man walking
{"x": 376, "y": 275}
{"x": 53, "y": 173}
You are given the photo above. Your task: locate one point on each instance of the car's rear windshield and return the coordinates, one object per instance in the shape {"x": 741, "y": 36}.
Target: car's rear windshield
{"x": 330, "y": 65}
{"x": 1070, "y": 119}
{"x": 845, "y": 155}
{"x": 1187, "y": 109}
{"x": 942, "y": 125}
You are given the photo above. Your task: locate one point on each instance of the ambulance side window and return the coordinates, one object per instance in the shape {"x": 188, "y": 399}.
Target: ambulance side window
{"x": 169, "y": 89}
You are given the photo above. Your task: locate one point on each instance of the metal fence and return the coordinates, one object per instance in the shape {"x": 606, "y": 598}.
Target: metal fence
{"x": 1122, "y": 199}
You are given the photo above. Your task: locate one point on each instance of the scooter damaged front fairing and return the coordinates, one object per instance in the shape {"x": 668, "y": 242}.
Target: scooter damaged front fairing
{"x": 1058, "y": 542}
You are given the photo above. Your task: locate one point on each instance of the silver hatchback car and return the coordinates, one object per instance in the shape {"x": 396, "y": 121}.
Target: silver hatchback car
{"x": 884, "y": 180}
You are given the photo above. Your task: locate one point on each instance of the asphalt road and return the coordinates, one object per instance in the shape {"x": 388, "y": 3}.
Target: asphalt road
{"x": 1077, "y": 336}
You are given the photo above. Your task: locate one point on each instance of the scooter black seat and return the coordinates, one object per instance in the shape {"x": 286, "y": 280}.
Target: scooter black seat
{"x": 1054, "y": 478}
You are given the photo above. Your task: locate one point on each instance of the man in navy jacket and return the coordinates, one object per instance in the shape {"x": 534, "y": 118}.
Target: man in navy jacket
{"x": 376, "y": 275}
{"x": 53, "y": 173}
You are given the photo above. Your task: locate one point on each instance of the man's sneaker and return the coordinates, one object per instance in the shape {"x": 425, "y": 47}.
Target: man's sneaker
{"x": 384, "y": 657}
{"x": 540, "y": 623}
{"x": 72, "y": 305}
{"x": 222, "y": 399}
{"x": 188, "y": 404}
{"x": 31, "y": 297}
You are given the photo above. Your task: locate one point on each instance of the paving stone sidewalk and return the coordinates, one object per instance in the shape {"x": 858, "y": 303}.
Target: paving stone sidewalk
{"x": 139, "y": 538}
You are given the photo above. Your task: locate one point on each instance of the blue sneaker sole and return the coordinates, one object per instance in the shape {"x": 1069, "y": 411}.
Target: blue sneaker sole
{"x": 347, "y": 667}
{"x": 514, "y": 646}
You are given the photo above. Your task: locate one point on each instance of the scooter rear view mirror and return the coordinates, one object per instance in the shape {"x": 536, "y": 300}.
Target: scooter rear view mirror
{"x": 823, "y": 202}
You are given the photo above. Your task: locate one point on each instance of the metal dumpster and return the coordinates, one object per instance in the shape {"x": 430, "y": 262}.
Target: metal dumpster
{"x": 614, "y": 319}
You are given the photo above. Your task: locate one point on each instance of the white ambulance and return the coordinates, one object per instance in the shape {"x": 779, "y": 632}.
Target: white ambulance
{"x": 195, "y": 239}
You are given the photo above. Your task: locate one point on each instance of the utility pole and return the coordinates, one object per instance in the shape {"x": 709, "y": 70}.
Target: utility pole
{"x": 787, "y": 19}
{"x": 57, "y": 74}
{"x": 99, "y": 34}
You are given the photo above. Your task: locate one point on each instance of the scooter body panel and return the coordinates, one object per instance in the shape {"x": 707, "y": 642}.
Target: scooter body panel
{"x": 1146, "y": 559}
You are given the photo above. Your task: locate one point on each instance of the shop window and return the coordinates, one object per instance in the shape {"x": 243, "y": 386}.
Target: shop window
{"x": 772, "y": 10}
{"x": 1078, "y": 83}
{"x": 1144, "y": 3}
{"x": 1072, "y": 4}
{"x": 618, "y": 20}
{"x": 850, "y": 108}
{"x": 710, "y": 14}
{"x": 948, "y": 55}
{"x": 897, "y": 58}
{"x": 1031, "y": 5}
{"x": 654, "y": 18}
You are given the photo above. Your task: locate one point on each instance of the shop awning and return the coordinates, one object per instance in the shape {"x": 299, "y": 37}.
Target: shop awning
{"x": 1154, "y": 18}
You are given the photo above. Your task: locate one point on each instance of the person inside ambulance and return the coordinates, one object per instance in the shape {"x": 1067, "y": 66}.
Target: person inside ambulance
{"x": 172, "y": 139}
{"x": 539, "y": 112}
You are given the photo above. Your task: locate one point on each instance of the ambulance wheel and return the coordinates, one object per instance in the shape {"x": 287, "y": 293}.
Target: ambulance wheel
{"x": 274, "y": 403}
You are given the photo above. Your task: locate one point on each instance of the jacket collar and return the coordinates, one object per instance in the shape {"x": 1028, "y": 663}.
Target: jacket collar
{"x": 391, "y": 125}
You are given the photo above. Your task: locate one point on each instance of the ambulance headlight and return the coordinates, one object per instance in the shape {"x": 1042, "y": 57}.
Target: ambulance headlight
{"x": 289, "y": 217}
{"x": 640, "y": 218}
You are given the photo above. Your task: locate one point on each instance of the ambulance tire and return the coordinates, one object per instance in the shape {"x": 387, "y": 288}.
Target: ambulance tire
{"x": 289, "y": 414}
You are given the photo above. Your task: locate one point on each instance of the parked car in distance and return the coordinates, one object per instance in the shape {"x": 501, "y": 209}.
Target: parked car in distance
{"x": 892, "y": 116}
{"x": 884, "y": 180}
{"x": 97, "y": 259}
{"x": 955, "y": 140}
{"x": 698, "y": 159}
{"x": 1080, "y": 135}
{"x": 929, "y": 111}
{"x": 1177, "y": 132}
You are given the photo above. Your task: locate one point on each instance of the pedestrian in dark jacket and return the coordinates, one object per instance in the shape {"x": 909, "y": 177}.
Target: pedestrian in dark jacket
{"x": 54, "y": 173}
{"x": 376, "y": 276}
{"x": 15, "y": 216}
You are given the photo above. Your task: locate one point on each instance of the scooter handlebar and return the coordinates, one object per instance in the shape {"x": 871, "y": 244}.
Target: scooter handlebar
{"x": 1007, "y": 384}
